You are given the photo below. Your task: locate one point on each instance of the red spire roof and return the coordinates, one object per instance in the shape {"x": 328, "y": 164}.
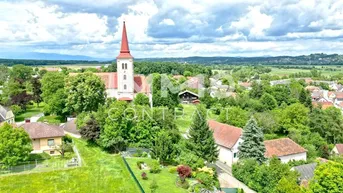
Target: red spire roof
{"x": 124, "y": 50}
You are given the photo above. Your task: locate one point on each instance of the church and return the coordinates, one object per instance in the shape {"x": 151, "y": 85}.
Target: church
{"x": 124, "y": 84}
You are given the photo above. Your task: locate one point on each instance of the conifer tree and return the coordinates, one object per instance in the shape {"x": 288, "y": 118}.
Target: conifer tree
{"x": 201, "y": 141}
{"x": 252, "y": 146}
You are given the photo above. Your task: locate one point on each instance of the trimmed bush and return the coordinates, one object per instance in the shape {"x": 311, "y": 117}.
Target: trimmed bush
{"x": 172, "y": 170}
{"x": 144, "y": 176}
{"x": 155, "y": 167}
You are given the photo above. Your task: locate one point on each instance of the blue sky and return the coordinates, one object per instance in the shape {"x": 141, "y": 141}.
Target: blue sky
{"x": 172, "y": 28}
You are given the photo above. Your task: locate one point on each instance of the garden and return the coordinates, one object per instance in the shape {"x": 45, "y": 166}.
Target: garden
{"x": 101, "y": 172}
{"x": 169, "y": 178}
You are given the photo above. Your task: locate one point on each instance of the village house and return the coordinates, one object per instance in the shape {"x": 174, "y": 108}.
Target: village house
{"x": 338, "y": 149}
{"x": 45, "y": 138}
{"x": 6, "y": 115}
{"x": 323, "y": 105}
{"x": 228, "y": 138}
{"x": 188, "y": 97}
{"x": 285, "y": 149}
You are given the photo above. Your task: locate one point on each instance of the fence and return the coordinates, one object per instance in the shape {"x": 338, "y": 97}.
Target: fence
{"x": 42, "y": 165}
{"x": 133, "y": 175}
{"x": 34, "y": 166}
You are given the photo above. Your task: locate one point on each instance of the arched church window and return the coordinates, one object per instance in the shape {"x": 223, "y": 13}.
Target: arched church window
{"x": 122, "y": 66}
{"x": 124, "y": 86}
{"x": 125, "y": 65}
{"x": 124, "y": 76}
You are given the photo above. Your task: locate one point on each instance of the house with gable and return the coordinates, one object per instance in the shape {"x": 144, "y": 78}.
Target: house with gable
{"x": 228, "y": 138}
{"x": 285, "y": 149}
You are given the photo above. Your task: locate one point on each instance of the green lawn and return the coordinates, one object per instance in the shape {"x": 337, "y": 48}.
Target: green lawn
{"x": 52, "y": 119}
{"x": 31, "y": 110}
{"x": 41, "y": 164}
{"x": 183, "y": 122}
{"x": 101, "y": 173}
{"x": 165, "y": 180}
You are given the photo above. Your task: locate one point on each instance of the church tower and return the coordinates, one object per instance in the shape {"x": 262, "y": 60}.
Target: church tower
{"x": 125, "y": 73}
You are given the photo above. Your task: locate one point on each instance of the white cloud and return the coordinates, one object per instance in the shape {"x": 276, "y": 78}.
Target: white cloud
{"x": 167, "y": 22}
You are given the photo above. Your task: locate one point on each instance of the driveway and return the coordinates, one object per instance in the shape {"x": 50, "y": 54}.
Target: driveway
{"x": 226, "y": 179}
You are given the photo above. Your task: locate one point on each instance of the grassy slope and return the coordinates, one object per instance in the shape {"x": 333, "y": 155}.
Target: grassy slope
{"x": 30, "y": 111}
{"x": 164, "y": 179}
{"x": 101, "y": 172}
{"x": 184, "y": 122}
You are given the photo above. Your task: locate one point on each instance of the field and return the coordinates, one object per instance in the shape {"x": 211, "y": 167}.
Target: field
{"x": 325, "y": 70}
{"x": 165, "y": 180}
{"x": 101, "y": 173}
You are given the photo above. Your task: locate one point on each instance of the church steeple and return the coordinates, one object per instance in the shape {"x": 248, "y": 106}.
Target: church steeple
{"x": 124, "y": 50}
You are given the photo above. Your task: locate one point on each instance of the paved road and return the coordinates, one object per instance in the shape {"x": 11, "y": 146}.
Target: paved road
{"x": 227, "y": 180}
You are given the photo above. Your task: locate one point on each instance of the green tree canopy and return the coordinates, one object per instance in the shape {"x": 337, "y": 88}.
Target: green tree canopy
{"x": 15, "y": 145}
{"x": 53, "y": 93}
{"x": 328, "y": 177}
{"x": 201, "y": 140}
{"x": 85, "y": 92}
{"x": 141, "y": 99}
{"x": 268, "y": 101}
{"x": 252, "y": 146}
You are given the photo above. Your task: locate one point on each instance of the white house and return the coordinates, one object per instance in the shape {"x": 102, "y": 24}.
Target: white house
{"x": 227, "y": 138}
{"x": 285, "y": 149}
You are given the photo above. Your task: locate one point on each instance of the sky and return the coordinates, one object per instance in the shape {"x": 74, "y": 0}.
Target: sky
{"x": 172, "y": 28}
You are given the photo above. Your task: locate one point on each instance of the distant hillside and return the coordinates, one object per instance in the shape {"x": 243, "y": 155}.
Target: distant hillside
{"x": 313, "y": 59}
{"x": 45, "y": 56}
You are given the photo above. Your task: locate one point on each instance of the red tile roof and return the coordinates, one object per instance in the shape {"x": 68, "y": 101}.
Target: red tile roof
{"x": 42, "y": 130}
{"x": 225, "y": 135}
{"x": 111, "y": 81}
{"x": 339, "y": 95}
{"x": 324, "y": 105}
{"x": 339, "y": 148}
{"x": 282, "y": 147}
{"x": 125, "y": 99}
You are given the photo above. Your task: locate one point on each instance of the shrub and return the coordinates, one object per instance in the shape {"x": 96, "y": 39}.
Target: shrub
{"x": 205, "y": 179}
{"x": 16, "y": 109}
{"x": 139, "y": 164}
{"x": 184, "y": 172}
{"x": 155, "y": 167}
{"x": 144, "y": 154}
{"x": 172, "y": 169}
{"x": 144, "y": 176}
{"x": 206, "y": 170}
{"x": 190, "y": 159}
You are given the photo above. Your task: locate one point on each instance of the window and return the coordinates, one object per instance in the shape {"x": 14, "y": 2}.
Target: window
{"x": 51, "y": 142}
{"x": 52, "y": 152}
{"x": 124, "y": 86}
{"x": 125, "y": 65}
{"x": 122, "y": 66}
{"x": 235, "y": 155}
{"x": 124, "y": 76}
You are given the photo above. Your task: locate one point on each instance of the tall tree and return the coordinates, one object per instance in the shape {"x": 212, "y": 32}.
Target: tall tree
{"x": 21, "y": 73}
{"x": 201, "y": 140}
{"x": 252, "y": 145}
{"x": 15, "y": 145}
{"x": 268, "y": 101}
{"x": 328, "y": 177}
{"x": 36, "y": 90}
{"x": 53, "y": 93}
{"x": 163, "y": 148}
{"x": 141, "y": 99}
{"x": 85, "y": 93}
{"x": 91, "y": 130}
